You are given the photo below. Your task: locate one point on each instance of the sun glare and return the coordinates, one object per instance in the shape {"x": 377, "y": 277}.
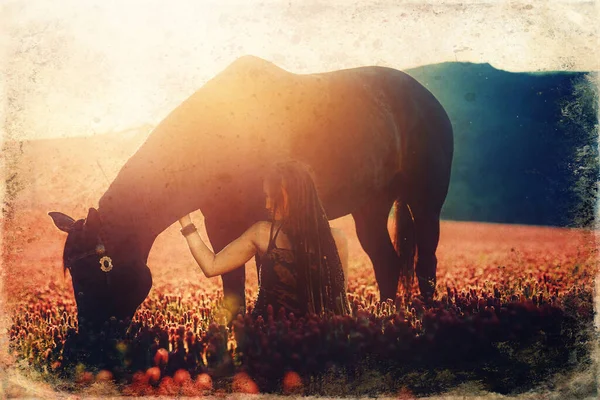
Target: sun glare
{"x": 83, "y": 68}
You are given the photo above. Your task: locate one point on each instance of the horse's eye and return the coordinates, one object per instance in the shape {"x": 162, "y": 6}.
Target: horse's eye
{"x": 100, "y": 250}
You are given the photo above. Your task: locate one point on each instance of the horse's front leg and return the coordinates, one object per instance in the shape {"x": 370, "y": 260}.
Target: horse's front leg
{"x": 220, "y": 234}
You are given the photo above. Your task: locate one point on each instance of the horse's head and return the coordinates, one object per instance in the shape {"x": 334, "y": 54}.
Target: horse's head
{"x": 102, "y": 289}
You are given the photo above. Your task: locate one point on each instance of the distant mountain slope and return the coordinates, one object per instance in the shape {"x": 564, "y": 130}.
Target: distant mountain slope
{"x": 67, "y": 171}
{"x": 518, "y": 143}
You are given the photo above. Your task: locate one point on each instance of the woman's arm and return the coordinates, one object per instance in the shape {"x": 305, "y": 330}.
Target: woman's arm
{"x": 234, "y": 255}
{"x": 342, "y": 246}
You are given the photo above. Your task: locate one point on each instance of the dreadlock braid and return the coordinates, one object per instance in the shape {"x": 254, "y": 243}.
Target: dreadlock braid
{"x": 320, "y": 273}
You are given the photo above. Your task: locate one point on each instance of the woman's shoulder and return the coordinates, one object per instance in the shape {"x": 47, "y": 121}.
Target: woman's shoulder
{"x": 264, "y": 223}
{"x": 261, "y": 227}
{"x": 262, "y": 233}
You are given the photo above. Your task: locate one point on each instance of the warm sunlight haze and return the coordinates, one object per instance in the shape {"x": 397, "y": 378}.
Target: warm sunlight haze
{"x": 79, "y": 68}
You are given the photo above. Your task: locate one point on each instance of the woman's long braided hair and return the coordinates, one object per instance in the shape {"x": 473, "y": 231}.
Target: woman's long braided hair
{"x": 320, "y": 275}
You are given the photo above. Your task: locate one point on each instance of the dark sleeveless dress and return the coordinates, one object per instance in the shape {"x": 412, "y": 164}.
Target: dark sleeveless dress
{"x": 277, "y": 280}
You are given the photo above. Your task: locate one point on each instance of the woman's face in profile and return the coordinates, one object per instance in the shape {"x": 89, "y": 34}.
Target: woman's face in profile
{"x": 269, "y": 201}
{"x": 271, "y": 190}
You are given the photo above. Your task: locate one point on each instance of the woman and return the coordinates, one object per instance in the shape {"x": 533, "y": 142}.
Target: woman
{"x": 300, "y": 268}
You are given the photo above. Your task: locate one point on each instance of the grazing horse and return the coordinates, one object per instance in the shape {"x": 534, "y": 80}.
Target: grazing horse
{"x": 373, "y": 136}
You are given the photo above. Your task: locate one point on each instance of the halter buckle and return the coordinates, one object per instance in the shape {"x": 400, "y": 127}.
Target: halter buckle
{"x": 106, "y": 264}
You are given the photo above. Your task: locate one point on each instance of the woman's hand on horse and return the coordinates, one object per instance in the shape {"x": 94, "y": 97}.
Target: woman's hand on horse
{"x": 185, "y": 220}
{"x": 233, "y": 256}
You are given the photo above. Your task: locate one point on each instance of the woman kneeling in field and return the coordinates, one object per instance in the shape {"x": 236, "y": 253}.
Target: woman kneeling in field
{"x": 300, "y": 268}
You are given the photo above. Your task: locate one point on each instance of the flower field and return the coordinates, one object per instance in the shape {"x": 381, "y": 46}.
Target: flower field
{"x": 513, "y": 309}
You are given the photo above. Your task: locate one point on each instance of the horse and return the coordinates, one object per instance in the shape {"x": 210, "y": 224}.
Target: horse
{"x": 374, "y": 137}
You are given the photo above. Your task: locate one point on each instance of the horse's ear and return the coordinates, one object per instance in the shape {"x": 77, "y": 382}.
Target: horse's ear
{"x": 62, "y": 221}
{"x": 92, "y": 221}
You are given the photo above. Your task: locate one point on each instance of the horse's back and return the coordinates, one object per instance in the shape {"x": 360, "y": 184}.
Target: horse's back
{"x": 377, "y": 123}
{"x": 357, "y": 128}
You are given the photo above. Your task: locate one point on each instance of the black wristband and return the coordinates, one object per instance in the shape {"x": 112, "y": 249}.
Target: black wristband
{"x": 188, "y": 229}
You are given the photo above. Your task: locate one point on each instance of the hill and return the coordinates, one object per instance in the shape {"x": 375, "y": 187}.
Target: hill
{"x": 525, "y": 143}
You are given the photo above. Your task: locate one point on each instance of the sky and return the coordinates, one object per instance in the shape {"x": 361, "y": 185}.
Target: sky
{"x": 78, "y": 68}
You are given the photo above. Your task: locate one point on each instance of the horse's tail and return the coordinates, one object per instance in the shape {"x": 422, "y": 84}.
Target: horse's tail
{"x": 405, "y": 243}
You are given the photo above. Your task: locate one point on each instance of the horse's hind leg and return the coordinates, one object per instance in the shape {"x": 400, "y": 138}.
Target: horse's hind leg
{"x": 371, "y": 228}
{"x": 427, "y": 232}
{"x": 428, "y": 189}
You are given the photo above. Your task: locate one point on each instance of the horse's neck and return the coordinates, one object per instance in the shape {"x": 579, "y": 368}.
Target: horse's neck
{"x": 176, "y": 171}
{"x": 133, "y": 215}
{"x": 124, "y": 232}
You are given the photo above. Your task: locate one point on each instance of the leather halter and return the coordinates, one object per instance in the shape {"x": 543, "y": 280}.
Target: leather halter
{"x": 105, "y": 262}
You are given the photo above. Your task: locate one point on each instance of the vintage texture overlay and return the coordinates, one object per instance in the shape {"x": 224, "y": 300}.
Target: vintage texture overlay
{"x": 84, "y": 83}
